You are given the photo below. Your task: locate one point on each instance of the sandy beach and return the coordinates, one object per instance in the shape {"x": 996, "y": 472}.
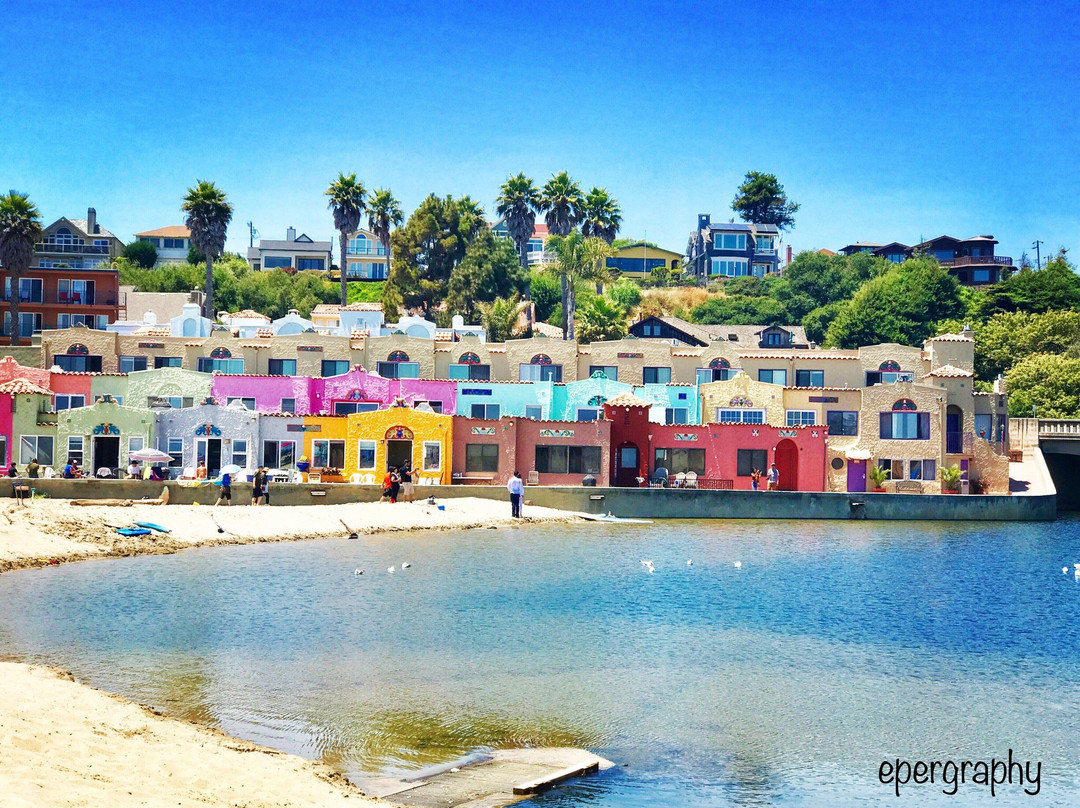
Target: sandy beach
{"x": 55, "y": 531}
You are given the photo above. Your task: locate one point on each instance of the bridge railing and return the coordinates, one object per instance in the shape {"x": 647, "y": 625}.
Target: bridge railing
{"x": 1059, "y": 428}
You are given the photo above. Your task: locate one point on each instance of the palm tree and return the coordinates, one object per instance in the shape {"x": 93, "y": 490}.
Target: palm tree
{"x": 348, "y": 200}
{"x": 577, "y": 258}
{"x": 563, "y": 204}
{"x": 602, "y": 319}
{"x": 518, "y": 204}
{"x": 384, "y": 213}
{"x": 500, "y": 318}
{"x": 208, "y": 216}
{"x": 20, "y": 230}
{"x": 601, "y": 215}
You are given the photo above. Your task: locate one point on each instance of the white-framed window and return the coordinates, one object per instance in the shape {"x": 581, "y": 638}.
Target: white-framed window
{"x": 279, "y": 454}
{"x": 729, "y": 267}
{"x": 729, "y": 241}
{"x": 587, "y": 414}
{"x": 174, "y": 447}
{"x": 365, "y": 455}
{"x": 656, "y": 375}
{"x": 249, "y": 403}
{"x": 772, "y": 376}
{"x": 534, "y": 411}
{"x": 725, "y": 415}
{"x": 130, "y": 364}
{"x": 135, "y": 443}
{"x": 349, "y": 407}
{"x": 36, "y": 446}
{"x": 240, "y": 453}
{"x": 801, "y": 417}
{"x": 75, "y": 447}
{"x": 69, "y": 402}
{"x": 764, "y": 244}
{"x": 676, "y": 415}
{"x": 3, "y": 451}
{"x": 327, "y": 454}
{"x": 489, "y": 412}
{"x": 432, "y": 455}
{"x": 288, "y": 405}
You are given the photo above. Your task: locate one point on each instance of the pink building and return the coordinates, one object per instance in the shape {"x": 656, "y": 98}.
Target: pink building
{"x": 11, "y": 370}
{"x": 269, "y": 394}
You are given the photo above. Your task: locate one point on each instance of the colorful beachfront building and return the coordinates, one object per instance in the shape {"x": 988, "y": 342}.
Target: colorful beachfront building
{"x": 103, "y": 435}
{"x": 27, "y": 423}
{"x": 209, "y": 433}
{"x": 391, "y": 437}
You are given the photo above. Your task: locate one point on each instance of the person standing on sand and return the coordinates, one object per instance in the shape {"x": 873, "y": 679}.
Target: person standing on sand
{"x": 266, "y": 486}
{"x": 406, "y": 483}
{"x": 226, "y": 490}
{"x": 774, "y": 478}
{"x": 395, "y": 484}
{"x": 755, "y": 479}
{"x": 516, "y": 487}
{"x": 257, "y": 483}
{"x": 387, "y": 487}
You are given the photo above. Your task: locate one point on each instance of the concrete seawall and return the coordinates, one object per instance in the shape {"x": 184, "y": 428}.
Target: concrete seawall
{"x": 627, "y": 502}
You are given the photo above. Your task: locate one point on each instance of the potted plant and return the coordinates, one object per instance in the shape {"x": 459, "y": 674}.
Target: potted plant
{"x": 878, "y": 476}
{"x": 950, "y": 479}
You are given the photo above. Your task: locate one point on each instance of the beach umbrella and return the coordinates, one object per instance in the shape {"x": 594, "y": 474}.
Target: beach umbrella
{"x": 232, "y": 468}
{"x": 150, "y": 456}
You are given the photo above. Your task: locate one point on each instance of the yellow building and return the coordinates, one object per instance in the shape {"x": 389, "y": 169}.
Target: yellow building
{"x": 383, "y": 438}
{"x": 325, "y": 441}
{"x": 636, "y": 261}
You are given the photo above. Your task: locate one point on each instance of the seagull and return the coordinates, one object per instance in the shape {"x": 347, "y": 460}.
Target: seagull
{"x": 649, "y": 566}
{"x": 1064, "y": 570}
{"x": 389, "y": 569}
{"x": 405, "y": 565}
{"x": 357, "y": 572}
{"x": 738, "y": 565}
{"x": 689, "y": 562}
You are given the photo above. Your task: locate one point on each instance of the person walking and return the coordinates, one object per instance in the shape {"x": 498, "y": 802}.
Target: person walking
{"x": 407, "y": 483}
{"x": 266, "y": 486}
{"x": 387, "y": 486}
{"x": 395, "y": 485}
{"x": 755, "y": 479}
{"x": 516, "y": 487}
{"x": 774, "y": 478}
{"x": 226, "y": 490}
{"x": 258, "y": 482}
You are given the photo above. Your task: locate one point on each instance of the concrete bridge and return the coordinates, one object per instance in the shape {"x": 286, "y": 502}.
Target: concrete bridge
{"x": 1059, "y": 441}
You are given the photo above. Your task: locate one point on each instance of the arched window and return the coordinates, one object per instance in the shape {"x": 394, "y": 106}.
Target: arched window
{"x": 905, "y": 404}
{"x": 221, "y": 353}
{"x": 398, "y": 356}
{"x": 63, "y": 236}
{"x": 78, "y": 350}
{"x": 719, "y": 364}
{"x": 540, "y": 359}
{"x": 889, "y": 366}
{"x": 468, "y": 358}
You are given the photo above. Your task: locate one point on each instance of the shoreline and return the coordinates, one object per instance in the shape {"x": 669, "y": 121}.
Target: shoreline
{"x": 49, "y": 532}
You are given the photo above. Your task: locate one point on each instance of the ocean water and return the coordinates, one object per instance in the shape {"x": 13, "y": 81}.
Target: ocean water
{"x": 784, "y": 681}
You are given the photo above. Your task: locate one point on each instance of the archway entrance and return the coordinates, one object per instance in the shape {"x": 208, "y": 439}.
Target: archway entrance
{"x": 106, "y": 453}
{"x": 627, "y": 465}
{"x": 954, "y": 429}
{"x": 787, "y": 463}
{"x": 399, "y": 446}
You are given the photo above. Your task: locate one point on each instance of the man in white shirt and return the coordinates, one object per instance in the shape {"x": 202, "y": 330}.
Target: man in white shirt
{"x": 133, "y": 470}
{"x": 516, "y": 487}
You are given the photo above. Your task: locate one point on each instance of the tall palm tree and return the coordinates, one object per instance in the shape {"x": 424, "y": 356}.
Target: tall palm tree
{"x": 602, "y": 215}
{"x": 20, "y": 229}
{"x": 577, "y": 258}
{"x": 384, "y": 214}
{"x": 518, "y": 203}
{"x": 348, "y": 200}
{"x": 208, "y": 216}
{"x": 471, "y": 218}
{"x": 562, "y": 203}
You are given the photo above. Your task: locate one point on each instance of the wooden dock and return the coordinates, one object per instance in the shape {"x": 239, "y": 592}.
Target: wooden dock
{"x": 488, "y": 781}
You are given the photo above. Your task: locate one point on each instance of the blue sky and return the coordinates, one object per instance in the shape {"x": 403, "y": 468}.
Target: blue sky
{"x": 886, "y": 121}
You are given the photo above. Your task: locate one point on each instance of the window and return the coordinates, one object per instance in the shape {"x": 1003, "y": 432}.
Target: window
{"x": 78, "y": 364}
{"x": 610, "y": 371}
{"x": 68, "y": 291}
{"x": 534, "y": 411}
{"x": 481, "y": 457}
{"x": 130, "y": 364}
{"x": 97, "y": 321}
{"x": 279, "y": 454}
{"x": 327, "y": 454}
{"x": 234, "y": 367}
{"x": 489, "y": 412}
{"x": 980, "y": 276}
{"x": 173, "y": 244}
{"x": 288, "y": 405}
{"x": 650, "y": 330}
{"x": 135, "y": 443}
{"x": 69, "y": 402}
{"x": 539, "y": 373}
{"x": 3, "y": 451}
{"x": 801, "y": 417}
{"x": 276, "y": 262}
{"x": 764, "y": 244}
{"x": 470, "y": 372}
{"x": 717, "y": 374}
{"x": 365, "y": 455}
{"x": 905, "y": 426}
{"x": 436, "y": 406}
{"x": 888, "y": 373}
{"x": 676, "y": 460}
{"x": 310, "y": 263}
{"x": 175, "y": 450}
{"x": 282, "y": 367}
{"x": 30, "y": 289}
{"x": 729, "y": 241}
{"x": 587, "y": 414}
{"x": 168, "y": 361}
{"x": 36, "y": 446}
{"x": 240, "y": 453}
{"x": 809, "y": 378}
{"x": 249, "y": 403}
{"x": 772, "y": 376}
{"x": 656, "y": 375}
{"x": 739, "y": 416}
{"x": 842, "y": 422}
{"x": 922, "y": 470}
{"x": 676, "y": 415}
{"x": 398, "y": 370}
{"x": 777, "y": 338}
{"x": 334, "y": 367}
{"x": 728, "y": 268}
{"x": 894, "y": 469}
{"x": 349, "y": 407}
{"x": 176, "y": 402}
{"x": 568, "y": 459}
{"x": 75, "y": 448}
{"x": 432, "y": 455}
{"x": 749, "y": 459}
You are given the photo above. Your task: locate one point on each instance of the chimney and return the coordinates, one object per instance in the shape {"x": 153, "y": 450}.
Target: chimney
{"x": 91, "y": 221}
{"x": 290, "y": 234}
{"x": 788, "y": 255}
{"x": 703, "y": 221}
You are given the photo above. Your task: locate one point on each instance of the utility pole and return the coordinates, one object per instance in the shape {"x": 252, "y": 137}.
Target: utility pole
{"x": 1038, "y": 260}
{"x": 252, "y": 232}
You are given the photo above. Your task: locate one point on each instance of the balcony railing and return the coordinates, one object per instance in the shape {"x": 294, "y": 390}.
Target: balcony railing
{"x": 1059, "y": 428}
{"x": 976, "y": 260}
{"x": 959, "y": 442}
{"x": 370, "y": 249}
{"x": 72, "y": 249}
{"x": 64, "y": 299}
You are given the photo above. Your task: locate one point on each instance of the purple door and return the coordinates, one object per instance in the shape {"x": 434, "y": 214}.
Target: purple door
{"x": 856, "y": 476}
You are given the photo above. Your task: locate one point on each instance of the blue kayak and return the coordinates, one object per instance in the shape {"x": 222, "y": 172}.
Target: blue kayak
{"x": 153, "y": 526}
{"x": 133, "y": 531}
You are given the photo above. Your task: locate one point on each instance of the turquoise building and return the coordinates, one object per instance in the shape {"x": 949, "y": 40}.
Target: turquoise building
{"x": 496, "y": 399}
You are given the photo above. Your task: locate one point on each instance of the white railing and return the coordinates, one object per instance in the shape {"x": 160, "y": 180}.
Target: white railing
{"x": 1059, "y": 428}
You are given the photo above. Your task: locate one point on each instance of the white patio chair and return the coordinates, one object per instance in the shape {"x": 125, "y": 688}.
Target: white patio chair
{"x": 680, "y": 479}
{"x": 691, "y": 479}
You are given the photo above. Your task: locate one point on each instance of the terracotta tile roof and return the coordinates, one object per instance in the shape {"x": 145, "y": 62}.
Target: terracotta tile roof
{"x": 326, "y": 309}
{"x": 584, "y": 350}
{"x": 264, "y": 333}
{"x": 250, "y": 314}
{"x": 360, "y": 307}
{"x": 628, "y": 400}
{"x": 829, "y": 389}
{"x": 951, "y": 338}
{"x": 444, "y": 338}
{"x": 88, "y": 373}
{"x": 172, "y": 231}
{"x": 495, "y": 349}
{"x": 153, "y": 331}
{"x": 949, "y": 372}
{"x": 802, "y": 355}
{"x": 686, "y": 353}
{"x": 548, "y": 330}
{"x": 359, "y": 333}
{"x": 22, "y": 387}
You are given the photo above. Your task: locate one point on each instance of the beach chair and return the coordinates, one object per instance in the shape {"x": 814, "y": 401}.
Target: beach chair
{"x": 314, "y": 477}
{"x": 533, "y": 478}
{"x": 680, "y": 480}
{"x": 367, "y": 479}
{"x": 691, "y": 479}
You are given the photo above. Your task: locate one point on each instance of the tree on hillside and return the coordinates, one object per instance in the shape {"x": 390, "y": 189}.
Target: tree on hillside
{"x": 546, "y": 294}
{"x": 348, "y": 201}
{"x": 1049, "y": 382}
{"x": 1054, "y": 287}
{"x": 577, "y": 258}
{"x": 739, "y": 310}
{"x": 761, "y": 199}
{"x": 384, "y": 214}
{"x": 208, "y": 216}
{"x": 828, "y": 278}
{"x": 20, "y": 230}
{"x": 904, "y": 306}
{"x": 601, "y": 215}
{"x": 471, "y": 217}
{"x": 817, "y": 321}
{"x": 1007, "y": 339}
{"x": 619, "y": 243}
{"x": 489, "y": 270}
{"x": 500, "y": 318}
{"x": 563, "y": 204}
{"x": 142, "y": 253}
{"x": 626, "y": 293}
{"x": 601, "y": 319}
